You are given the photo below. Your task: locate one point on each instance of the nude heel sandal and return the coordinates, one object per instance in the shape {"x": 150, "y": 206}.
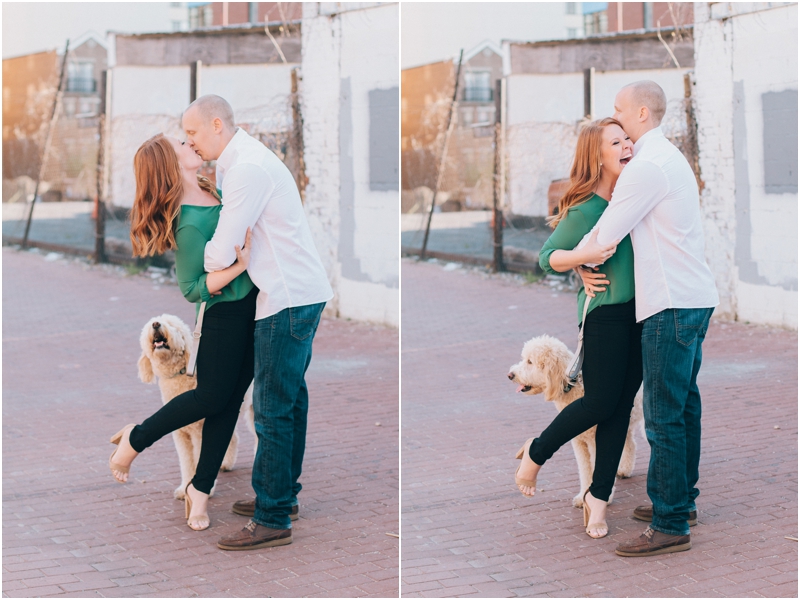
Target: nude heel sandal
{"x": 518, "y": 480}
{"x": 587, "y": 516}
{"x": 116, "y": 439}
{"x": 188, "y": 504}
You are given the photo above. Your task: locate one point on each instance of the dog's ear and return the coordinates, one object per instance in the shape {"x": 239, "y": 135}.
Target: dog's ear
{"x": 145, "y": 369}
{"x": 555, "y": 376}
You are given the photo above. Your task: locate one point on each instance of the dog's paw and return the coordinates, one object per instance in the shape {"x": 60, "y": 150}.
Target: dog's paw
{"x": 178, "y": 493}
{"x": 223, "y": 468}
{"x": 624, "y": 474}
{"x": 577, "y": 501}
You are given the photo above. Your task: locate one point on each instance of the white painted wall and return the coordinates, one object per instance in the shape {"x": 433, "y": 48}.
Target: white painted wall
{"x": 257, "y": 93}
{"x": 544, "y": 111}
{"x": 755, "y": 46}
{"x": 359, "y": 44}
{"x": 144, "y": 101}
{"x": 150, "y": 100}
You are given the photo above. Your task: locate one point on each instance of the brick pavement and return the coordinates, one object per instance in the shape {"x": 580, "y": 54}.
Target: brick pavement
{"x": 468, "y": 532}
{"x": 70, "y": 346}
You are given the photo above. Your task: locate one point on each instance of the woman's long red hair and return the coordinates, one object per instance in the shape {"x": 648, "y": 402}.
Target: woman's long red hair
{"x": 585, "y": 173}
{"x": 159, "y": 191}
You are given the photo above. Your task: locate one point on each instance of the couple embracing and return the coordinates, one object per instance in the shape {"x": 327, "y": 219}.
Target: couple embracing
{"x": 633, "y": 206}
{"x": 246, "y": 255}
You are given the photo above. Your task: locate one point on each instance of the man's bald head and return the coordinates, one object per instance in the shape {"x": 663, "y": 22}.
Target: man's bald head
{"x": 639, "y": 107}
{"x": 210, "y": 107}
{"x": 208, "y": 124}
{"x": 649, "y": 93}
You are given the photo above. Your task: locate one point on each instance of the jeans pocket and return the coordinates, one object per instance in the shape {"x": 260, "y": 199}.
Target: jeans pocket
{"x": 689, "y": 323}
{"x": 303, "y": 320}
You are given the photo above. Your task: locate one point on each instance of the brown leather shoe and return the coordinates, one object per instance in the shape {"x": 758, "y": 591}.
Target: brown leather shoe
{"x": 256, "y": 536}
{"x": 247, "y": 508}
{"x": 654, "y": 542}
{"x": 645, "y": 513}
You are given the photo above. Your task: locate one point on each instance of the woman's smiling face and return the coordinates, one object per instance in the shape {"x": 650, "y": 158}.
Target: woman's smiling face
{"x": 188, "y": 158}
{"x": 616, "y": 149}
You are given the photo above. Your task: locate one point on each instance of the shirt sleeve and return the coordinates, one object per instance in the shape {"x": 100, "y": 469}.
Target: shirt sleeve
{"x": 640, "y": 187}
{"x": 246, "y": 189}
{"x": 189, "y": 264}
{"x": 566, "y": 236}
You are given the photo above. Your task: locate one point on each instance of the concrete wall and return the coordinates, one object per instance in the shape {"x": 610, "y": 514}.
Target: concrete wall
{"x": 543, "y": 116}
{"x": 148, "y": 98}
{"x": 350, "y": 103}
{"x": 746, "y": 110}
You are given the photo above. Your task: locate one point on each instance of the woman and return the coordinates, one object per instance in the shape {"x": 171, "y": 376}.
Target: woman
{"x": 175, "y": 208}
{"x": 612, "y": 366}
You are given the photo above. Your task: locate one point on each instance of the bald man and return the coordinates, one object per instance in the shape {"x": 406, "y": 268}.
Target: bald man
{"x": 259, "y": 192}
{"x": 656, "y": 200}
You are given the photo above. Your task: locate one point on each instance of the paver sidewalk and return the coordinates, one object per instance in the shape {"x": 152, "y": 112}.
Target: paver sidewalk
{"x": 70, "y": 346}
{"x": 467, "y": 531}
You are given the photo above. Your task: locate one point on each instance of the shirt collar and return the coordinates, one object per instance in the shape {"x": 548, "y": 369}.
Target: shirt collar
{"x": 653, "y": 133}
{"x": 228, "y": 155}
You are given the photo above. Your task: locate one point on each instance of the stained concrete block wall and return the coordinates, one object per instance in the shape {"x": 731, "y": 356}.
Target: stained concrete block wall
{"x": 350, "y": 101}
{"x": 146, "y": 100}
{"x": 746, "y": 77}
{"x": 544, "y": 111}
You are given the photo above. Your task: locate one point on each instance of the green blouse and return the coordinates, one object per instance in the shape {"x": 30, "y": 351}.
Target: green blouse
{"x": 618, "y": 269}
{"x": 196, "y": 227}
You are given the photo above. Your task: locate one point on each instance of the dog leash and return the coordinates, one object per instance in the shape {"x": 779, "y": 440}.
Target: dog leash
{"x": 574, "y": 368}
{"x": 196, "y": 341}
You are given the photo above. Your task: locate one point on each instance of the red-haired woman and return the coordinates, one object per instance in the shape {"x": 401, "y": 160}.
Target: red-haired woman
{"x": 175, "y": 208}
{"x": 612, "y": 365}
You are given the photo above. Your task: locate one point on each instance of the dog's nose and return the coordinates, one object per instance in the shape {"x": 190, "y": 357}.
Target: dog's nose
{"x": 511, "y": 376}
{"x": 156, "y": 324}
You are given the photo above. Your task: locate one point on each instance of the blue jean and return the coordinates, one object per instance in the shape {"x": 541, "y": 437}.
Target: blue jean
{"x": 672, "y": 352}
{"x": 280, "y": 403}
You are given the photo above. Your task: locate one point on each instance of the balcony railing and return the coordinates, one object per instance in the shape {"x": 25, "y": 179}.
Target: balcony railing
{"x": 478, "y": 94}
{"x": 86, "y": 85}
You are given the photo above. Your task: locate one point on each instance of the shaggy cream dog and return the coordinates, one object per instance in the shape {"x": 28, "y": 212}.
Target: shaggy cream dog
{"x": 542, "y": 371}
{"x": 166, "y": 343}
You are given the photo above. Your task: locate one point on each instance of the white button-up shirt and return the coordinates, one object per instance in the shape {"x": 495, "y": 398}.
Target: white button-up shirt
{"x": 656, "y": 200}
{"x": 258, "y": 191}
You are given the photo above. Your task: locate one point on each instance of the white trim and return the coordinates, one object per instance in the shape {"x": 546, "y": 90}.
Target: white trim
{"x": 480, "y": 47}
{"x": 89, "y": 35}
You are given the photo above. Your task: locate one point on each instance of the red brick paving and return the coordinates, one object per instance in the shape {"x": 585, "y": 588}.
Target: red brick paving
{"x": 468, "y": 532}
{"x": 70, "y": 346}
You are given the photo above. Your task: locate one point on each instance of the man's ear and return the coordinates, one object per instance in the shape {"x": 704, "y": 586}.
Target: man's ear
{"x": 644, "y": 114}
{"x": 217, "y": 125}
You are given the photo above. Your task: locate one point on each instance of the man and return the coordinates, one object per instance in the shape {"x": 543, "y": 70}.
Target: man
{"x": 259, "y": 192}
{"x": 656, "y": 200}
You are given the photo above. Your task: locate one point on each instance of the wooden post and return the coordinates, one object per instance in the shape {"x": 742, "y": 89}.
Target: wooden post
{"x": 194, "y": 80}
{"x": 100, "y": 221}
{"x": 497, "y": 215}
{"x": 47, "y": 142}
{"x": 588, "y": 93}
{"x": 443, "y": 157}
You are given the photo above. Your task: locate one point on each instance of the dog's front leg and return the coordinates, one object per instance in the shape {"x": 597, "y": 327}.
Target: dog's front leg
{"x": 585, "y": 461}
{"x": 183, "y": 444}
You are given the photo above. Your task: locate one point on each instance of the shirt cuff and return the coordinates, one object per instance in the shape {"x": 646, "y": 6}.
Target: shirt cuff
{"x": 205, "y": 295}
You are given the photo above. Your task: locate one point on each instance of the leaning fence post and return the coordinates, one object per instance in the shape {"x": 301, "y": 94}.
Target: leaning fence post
{"x": 497, "y": 215}
{"x": 47, "y": 141}
{"x": 100, "y": 222}
{"x": 442, "y": 159}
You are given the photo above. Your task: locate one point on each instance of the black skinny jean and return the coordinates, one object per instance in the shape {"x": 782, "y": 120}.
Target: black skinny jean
{"x": 612, "y": 374}
{"x": 224, "y": 372}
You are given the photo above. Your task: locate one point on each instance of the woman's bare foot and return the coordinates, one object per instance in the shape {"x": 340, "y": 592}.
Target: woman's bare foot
{"x": 598, "y": 527}
{"x": 123, "y": 456}
{"x": 527, "y": 470}
{"x": 198, "y": 515}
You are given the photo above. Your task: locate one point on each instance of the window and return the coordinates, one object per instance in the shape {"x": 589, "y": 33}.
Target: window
{"x": 571, "y": 8}
{"x": 80, "y": 77}
{"x": 572, "y": 32}
{"x": 200, "y": 16}
{"x": 594, "y": 23}
{"x": 478, "y": 86}
{"x": 252, "y": 12}
{"x": 176, "y": 26}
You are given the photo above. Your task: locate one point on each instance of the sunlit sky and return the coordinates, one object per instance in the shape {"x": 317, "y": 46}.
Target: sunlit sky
{"x": 37, "y": 26}
{"x": 433, "y": 31}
